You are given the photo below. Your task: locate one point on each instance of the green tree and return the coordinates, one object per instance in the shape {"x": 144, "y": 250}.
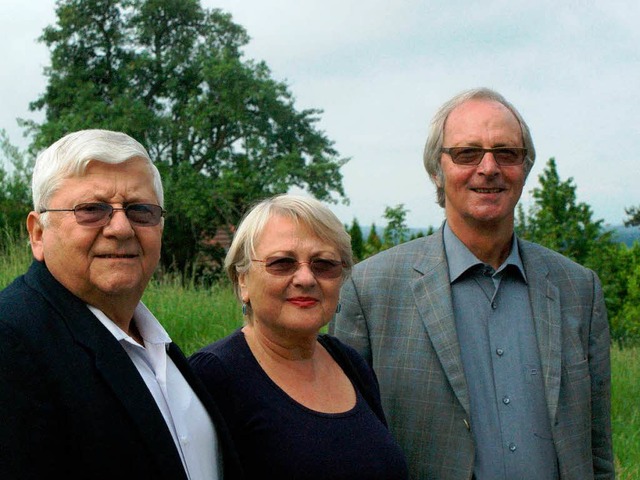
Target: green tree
{"x": 357, "y": 240}
{"x": 15, "y": 194}
{"x": 557, "y": 221}
{"x": 620, "y": 272}
{"x": 374, "y": 244}
{"x": 172, "y": 75}
{"x": 396, "y": 231}
{"x": 634, "y": 217}
{"x": 421, "y": 234}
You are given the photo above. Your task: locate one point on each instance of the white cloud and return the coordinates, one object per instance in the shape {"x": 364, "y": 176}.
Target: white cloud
{"x": 380, "y": 69}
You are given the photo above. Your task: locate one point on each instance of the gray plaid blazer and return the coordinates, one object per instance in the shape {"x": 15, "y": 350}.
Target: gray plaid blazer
{"x": 397, "y": 312}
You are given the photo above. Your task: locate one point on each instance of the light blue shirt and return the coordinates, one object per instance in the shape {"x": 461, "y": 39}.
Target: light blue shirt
{"x": 499, "y": 350}
{"x": 187, "y": 419}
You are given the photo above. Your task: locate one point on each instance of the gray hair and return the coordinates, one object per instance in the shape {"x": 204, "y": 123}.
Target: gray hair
{"x": 69, "y": 157}
{"x": 306, "y": 210}
{"x": 432, "y": 153}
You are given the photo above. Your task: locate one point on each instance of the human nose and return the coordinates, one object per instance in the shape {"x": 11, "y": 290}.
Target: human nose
{"x": 118, "y": 223}
{"x": 488, "y": 164}
{"x": 304, "y": 274}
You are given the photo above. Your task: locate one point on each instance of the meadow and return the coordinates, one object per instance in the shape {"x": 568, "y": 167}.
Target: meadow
{"x": 195, "y": 316}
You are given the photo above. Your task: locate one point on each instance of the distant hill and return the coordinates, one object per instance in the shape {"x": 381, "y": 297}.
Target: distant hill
{"x": 626, "y": 235}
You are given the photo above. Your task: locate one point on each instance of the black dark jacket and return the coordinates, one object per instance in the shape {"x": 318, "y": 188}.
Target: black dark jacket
{"x": 72, "y": 404}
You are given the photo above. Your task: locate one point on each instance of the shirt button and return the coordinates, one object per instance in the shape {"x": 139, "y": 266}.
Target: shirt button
{"x": 499, "y": 352}
{"x": 506, "y": 400}
{"x": 184, "y": 440}
{"x": 494, "y": 305}
{"x": 512, "y": 447}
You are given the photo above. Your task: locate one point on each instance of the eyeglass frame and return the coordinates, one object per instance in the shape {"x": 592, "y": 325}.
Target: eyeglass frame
{"x": 451, "y": 151}
{"x": 108, "y": 216}
{"x": 298, "y": 264}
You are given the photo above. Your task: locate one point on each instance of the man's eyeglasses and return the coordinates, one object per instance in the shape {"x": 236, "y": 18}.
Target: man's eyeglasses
{"x": 99, "y": 214}
{"x": 505, "y": 156}
{"x": 320, "y": 267}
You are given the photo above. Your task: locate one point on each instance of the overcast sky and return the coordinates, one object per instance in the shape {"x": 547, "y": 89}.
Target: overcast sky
{"x": 380, "y": 69}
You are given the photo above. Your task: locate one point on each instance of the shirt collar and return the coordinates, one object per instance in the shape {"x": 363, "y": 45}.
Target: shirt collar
{"x": 460, "y": 258}
{"x": 150, "y": 329}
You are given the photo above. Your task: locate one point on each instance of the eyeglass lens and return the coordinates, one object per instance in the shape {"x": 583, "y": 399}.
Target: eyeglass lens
{"x": 504, "y": 156}
{"x": 321, "y": 267}
{"x": 98, "y": 214}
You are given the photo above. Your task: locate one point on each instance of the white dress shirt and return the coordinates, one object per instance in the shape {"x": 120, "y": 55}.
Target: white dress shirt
{"x": 187, "y": 419}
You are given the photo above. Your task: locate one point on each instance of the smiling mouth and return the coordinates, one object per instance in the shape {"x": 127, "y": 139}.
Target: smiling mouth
{"x": 487, "y": 190}
{"x": 303, "y": 302}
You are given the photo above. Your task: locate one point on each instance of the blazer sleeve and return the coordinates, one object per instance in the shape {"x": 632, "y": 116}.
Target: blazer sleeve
{"x": 27, "y": 414}
{"x": 600, "y": 370}
{"x": 350, "y": 324}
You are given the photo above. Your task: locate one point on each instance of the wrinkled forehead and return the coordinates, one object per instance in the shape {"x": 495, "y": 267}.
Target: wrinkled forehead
{"x": 100, "y": 179}
{"x": 482, "y": 119}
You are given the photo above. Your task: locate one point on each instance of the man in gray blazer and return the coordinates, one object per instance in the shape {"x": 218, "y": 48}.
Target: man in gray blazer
{"x": 492, "y": 352}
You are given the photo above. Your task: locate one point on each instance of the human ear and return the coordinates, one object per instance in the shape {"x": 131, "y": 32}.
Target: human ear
{"x": 36, "y": 230}
{"x": 244, "y": 289}
{"x": 436, "y": 180}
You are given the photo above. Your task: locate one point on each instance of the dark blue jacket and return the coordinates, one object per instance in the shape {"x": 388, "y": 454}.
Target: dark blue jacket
{"x": 72, "y": 404}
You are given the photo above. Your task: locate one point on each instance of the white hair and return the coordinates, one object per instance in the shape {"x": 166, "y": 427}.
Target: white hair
{"x": 69, "y": 157}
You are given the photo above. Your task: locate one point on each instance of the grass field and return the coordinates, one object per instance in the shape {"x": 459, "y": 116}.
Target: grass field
{"x": 196, "y": 316}
{"x": 625, "y": 411}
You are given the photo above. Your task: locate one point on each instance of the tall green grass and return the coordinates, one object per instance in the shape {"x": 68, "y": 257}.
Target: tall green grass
{"x": 15, "y": 256}
{"x": 625, "y": 411}
{"x": 195, "y": 316}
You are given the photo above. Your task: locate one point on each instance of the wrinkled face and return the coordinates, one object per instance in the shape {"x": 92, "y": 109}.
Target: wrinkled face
{"x": 100, "y": 264}
{"x": 299, "y": 302}
{"x": 484, "y": 194}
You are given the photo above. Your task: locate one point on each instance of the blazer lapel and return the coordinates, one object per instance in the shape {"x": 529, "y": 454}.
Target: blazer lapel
{"x": 432, "y": 294}
{"x": 124, "y": 379}
{"x": 115, "y": 366}
{"x": 545, "y": 306}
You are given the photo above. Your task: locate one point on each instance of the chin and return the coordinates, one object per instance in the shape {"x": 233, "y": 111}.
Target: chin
{"x": 124, "y": 288}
